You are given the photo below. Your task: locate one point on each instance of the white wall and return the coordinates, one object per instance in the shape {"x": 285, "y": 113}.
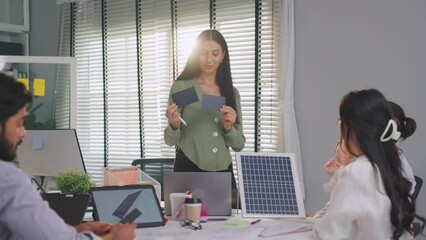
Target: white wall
{"x": 343, "y": 45}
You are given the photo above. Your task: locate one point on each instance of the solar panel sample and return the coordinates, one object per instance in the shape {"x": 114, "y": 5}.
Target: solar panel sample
{"x": 269, "y": 185}
{"x": 124, "y": 207}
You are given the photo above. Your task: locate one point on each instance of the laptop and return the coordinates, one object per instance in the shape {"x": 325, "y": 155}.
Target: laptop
{"x": 71, "y": 208}
{"x": 214, "y": 189}
{"x": 113, "y": 204}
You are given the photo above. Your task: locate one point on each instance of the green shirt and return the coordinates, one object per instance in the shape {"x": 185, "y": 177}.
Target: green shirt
{"x": 203, "y": 141}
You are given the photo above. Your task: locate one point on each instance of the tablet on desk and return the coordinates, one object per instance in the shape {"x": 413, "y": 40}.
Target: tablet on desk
{"x": 113, "y": 203}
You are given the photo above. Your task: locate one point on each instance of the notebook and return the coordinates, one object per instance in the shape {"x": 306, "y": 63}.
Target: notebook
{"x": 71, "y": 208}
{"x": 214, "y": 189}
{"x": 113, "y": 203}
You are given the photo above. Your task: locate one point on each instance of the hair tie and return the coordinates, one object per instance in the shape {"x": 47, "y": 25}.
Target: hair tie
{"x": 395, "y": 134}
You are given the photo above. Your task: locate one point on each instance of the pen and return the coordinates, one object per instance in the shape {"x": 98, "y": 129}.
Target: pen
{"x": 254, "y": 222}
{"x": 180, "y": 208}
{"x": 183, "y": 121}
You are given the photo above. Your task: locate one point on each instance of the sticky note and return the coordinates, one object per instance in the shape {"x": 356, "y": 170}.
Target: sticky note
{"x": 236, "y": 223}
{"x": 38, "y": 142}
{"x": 39, "y": 87}
{"x": 25, "y": 82}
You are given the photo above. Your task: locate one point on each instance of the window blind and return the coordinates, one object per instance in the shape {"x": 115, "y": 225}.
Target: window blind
{"x": 156, "y": 71}
{"x": 87, "y": 48}
{"x": 128, "y": 53}
{"x": 62, "y": 93}
{"x": 121, "y": 109}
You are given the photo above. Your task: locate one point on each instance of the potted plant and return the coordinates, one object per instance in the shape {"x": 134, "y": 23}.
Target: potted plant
{"x": 74, "y": 182}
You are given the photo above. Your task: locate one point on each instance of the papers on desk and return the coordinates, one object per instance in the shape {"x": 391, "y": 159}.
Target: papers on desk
{"x": 279, "y": 228}
{"x": 233, "y": 233}
{"x": 265, "y": 229}
{"x": 166, "y": 235}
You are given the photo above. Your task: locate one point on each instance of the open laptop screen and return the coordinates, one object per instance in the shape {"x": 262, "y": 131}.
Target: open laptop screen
{"x": 113, "y": 203}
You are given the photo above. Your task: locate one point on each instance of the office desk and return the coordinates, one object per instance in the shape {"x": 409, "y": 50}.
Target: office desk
{"x": 219, "y": 230}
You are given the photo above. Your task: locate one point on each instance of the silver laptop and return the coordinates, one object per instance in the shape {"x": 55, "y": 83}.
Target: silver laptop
{"x": 214, "y": 189}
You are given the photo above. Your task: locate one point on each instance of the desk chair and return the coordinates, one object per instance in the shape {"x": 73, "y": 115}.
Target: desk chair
{"x": 155, "y": 167}
{"x": 419, "y": 183}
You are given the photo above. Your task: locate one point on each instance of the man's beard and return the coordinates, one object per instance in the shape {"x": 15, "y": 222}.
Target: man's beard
{"x": 7, "y": 151}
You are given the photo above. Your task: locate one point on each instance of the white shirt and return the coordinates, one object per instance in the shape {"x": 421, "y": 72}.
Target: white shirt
{"x": 359, "y": 207}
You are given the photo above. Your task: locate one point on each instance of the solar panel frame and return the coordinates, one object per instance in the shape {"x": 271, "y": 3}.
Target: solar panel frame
{"x": 269, "y": 185}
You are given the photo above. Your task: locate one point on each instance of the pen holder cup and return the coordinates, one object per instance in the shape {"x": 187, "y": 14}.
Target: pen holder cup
{"x": 177, "y": 201}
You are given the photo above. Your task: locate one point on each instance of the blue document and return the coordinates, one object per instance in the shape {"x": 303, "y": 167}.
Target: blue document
{"x": 185, "y": 97}
{"x": 213, "y": 103}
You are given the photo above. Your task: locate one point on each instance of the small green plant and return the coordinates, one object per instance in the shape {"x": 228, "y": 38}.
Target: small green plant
{"x": 74, "y": 182}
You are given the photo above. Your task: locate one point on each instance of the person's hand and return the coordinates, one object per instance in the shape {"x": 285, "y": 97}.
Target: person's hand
{"x": 98, "y": 228}
{"x": 229, "y": 117}
{"x": 173, "y": 115}
{"x": 331, "y": 166}
{"x": 121, "y": 231}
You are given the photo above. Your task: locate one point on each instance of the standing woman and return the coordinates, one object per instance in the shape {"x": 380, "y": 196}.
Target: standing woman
{"x": 204, "y": 140}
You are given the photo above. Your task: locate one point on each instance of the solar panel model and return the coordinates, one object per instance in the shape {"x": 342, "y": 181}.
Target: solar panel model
{"x": 269, "y": 185}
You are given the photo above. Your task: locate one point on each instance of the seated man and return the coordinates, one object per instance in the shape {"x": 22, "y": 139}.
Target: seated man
{"x": 23, "y": 213}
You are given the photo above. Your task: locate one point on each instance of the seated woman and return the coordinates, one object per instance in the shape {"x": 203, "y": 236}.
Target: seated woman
{"x": 371, "y": 198}
{"x": 406, "y": 126}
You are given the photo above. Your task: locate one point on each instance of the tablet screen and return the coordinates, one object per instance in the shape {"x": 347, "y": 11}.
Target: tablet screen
{"x": 113, "y": 203}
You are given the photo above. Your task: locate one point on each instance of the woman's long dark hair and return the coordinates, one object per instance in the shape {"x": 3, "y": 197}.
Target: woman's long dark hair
{"x": 406, "y": 125}
{"x": 364, "y": 115}
{"x": 223, "y": 74}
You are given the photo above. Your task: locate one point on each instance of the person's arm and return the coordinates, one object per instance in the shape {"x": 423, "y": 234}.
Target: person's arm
{"x": 234, "y": 136}
{"x": 331, "y": 166}
{"x": 98, "y": 228}
{"x": 121, "y": 232}
{"x": 322, "y": 211}
{"x": 172, "y": 131}
{"x": 24, "y": 213}
{"x": 342, "y": 211}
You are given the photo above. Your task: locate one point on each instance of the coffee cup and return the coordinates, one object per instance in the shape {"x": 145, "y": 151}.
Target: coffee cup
{"x": 193, "y": 209}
